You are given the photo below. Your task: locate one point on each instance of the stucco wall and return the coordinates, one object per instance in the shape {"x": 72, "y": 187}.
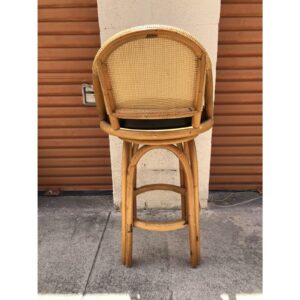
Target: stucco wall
{"x": 201, "y": 19}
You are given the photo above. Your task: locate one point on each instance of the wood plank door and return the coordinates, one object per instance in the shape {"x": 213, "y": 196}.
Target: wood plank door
{"x": 236, "y": 162}
{"x": 73, "y": 152}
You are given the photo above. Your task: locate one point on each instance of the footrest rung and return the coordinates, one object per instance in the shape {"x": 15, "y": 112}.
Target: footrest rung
{"x": 161, "y": 187}
{"x": 158, "y": 226}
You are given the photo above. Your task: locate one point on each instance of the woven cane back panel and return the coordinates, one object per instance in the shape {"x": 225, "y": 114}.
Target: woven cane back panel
{"x": 152, "y": 73}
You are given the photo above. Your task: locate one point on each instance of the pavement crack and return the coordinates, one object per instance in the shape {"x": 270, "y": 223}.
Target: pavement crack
{"x": 75, "y": 229}
{"x": 171, "y": 295}
{"x": 96, "y": 254}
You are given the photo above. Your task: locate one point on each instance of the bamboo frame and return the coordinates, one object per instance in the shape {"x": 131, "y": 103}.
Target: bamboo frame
{"x": 125, "y": 162}
{"x": 131, "y": 193}
{"x": 198, "y": 101}
{"x": 99, "y": 97}
{"x": 182, "y": 185}
{"x": 135, "y": 147}
{"x": 156, "y": 226}
{"x": 204, "y": 74}
{"x": 139, "y": 136}
{"x": 194, "y": 166}
{"x": 185, "y": 150}
{"x": 155, "y": 31}
{"x": 153, "y": 114}
{"x": 165, "y": 142}
{"x": 108, "y": 96}
{"x": 160, "y": 187}
{"x": 137, "y": 143}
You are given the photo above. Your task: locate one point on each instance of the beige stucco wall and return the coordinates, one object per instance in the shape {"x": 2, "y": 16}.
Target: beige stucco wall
{"x": 201, "y": 19}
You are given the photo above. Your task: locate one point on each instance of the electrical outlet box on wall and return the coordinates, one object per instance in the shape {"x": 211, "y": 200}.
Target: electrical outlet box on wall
{"x": 88, "y": 97}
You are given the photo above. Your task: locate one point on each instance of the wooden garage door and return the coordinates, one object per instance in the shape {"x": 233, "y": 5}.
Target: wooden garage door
{"x": 73, "y": 152}
{"x": 237, "y": 135}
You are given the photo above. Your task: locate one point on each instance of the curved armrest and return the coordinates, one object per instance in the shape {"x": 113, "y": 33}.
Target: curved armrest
{"x": 209, "y": 103}
{"x": 100, "y": 106}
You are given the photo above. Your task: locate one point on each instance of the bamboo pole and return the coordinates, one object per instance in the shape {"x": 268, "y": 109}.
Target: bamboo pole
{"x": 194, "y": 165}
{"x": 182, "y": 185}
{"x": 125, "y": 162}
{"x": 190, "y": 198}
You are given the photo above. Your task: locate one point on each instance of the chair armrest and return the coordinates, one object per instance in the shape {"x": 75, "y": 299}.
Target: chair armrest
{"x": 100, "y": 105}
{"x": 209, "y": 96}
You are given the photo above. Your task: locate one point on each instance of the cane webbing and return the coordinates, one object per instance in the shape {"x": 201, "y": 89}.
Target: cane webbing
{"x": 152, "y": 73}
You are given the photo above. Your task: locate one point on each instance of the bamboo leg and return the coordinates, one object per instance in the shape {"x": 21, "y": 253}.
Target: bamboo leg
{"x": 182, "y": 184}
{"x": 187, "y": 154}
{"x": 134, "y": 196}
{"x": 125, "y": 162}
{"x": 189, "y": 196}
{"x": 129, "y": 222}
{"x": 191, "y": 222}
{"x": 130, "y": 154}
{"x": 190, "y": 203}
{"x": 134, "y": 149}
{"x": 129, "y": 212}
{"x": 194, "y": 165}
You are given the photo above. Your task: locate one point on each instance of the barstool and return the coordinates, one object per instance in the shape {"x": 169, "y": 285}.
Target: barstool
{"x": 153, "y": 88}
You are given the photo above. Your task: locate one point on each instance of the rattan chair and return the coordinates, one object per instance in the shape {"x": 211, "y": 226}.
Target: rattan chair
{"x": 153, "y": 88}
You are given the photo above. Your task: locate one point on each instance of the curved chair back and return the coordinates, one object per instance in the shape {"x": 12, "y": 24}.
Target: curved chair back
{"x": 152, "y": 72}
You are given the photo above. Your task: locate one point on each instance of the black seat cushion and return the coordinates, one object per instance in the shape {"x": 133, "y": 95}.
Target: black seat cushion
{"x": 156, "y": 124}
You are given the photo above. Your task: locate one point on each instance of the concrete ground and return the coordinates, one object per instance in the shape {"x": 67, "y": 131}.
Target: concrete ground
{"x": 80, "y": 252}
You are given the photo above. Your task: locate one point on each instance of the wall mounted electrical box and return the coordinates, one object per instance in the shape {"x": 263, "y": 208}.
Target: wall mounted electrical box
{"x": 88, "y": 97}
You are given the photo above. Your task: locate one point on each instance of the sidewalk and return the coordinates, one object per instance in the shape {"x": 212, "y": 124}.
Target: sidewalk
{"x": 80, "y": 252}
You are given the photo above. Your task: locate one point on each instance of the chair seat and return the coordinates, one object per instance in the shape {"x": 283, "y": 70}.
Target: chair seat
{"x": 155, "y": 136}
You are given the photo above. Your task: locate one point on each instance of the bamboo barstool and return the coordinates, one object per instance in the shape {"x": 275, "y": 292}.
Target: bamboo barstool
{"x": 153, "y": 88}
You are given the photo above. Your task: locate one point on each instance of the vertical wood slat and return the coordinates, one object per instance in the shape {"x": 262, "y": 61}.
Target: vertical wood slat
{"x": 237, "y": 136}
{"x": 73, "y": 152}
{"x": 240, "y": 49}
